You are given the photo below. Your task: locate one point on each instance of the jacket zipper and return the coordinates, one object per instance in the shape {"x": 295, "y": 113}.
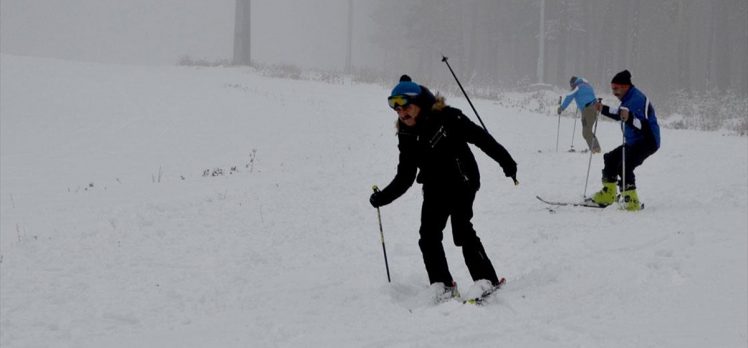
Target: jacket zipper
{"x": 459, "y": 169}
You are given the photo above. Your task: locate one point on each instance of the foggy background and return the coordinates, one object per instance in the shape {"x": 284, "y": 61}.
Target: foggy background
{"x": 674, "y": 48}
{"x": 309, "y": 34}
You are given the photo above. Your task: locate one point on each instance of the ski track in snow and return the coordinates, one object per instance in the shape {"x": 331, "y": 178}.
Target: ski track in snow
{"x": 285, "y": 251}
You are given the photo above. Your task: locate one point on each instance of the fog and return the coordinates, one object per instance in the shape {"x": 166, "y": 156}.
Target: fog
{"x": 669, "y": 45}
{"x": 309, "y": 34}
{"x": 112, "y": 31}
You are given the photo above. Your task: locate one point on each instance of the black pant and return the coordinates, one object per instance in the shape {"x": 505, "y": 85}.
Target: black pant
{"x": 635, "y": 156}
{"x": 456, "y": 202}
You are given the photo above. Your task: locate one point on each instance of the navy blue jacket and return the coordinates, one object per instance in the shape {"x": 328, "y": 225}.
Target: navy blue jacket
{"x": 641, "y": 127}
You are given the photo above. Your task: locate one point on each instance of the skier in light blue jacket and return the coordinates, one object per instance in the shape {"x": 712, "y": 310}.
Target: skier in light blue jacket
{"x": 584, "y": 95}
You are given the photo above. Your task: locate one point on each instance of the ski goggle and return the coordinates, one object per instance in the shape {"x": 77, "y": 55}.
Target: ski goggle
{"x": 398, "y": 101}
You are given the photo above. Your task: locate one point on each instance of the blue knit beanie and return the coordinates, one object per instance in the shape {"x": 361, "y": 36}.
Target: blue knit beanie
{"x": 419, "y": 95}
{"x": 406, "y": 87}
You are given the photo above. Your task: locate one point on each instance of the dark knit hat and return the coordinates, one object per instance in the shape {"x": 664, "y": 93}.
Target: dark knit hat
{"x": 573, "y": 80}
{"x": 622, "y": 78}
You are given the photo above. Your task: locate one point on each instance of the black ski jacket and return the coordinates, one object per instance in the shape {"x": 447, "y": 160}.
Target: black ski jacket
{"x": 437, "y": 147}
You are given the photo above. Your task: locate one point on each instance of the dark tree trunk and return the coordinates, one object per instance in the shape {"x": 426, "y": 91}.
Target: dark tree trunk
{"x": 242, "y": 33}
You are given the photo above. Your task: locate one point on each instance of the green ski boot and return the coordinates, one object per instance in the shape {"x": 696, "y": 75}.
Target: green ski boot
{"x": 630, "y": 200}
{"x": 607, "y": 195}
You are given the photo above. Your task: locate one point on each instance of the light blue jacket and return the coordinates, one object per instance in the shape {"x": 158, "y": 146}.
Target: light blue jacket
{"x": 582, "y": 93}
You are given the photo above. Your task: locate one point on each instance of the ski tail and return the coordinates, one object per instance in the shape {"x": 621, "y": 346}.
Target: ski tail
{"x": 586, "y": 203}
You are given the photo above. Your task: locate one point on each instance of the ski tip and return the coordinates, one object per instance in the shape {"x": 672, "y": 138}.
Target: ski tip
{"x": 481, "y": 300}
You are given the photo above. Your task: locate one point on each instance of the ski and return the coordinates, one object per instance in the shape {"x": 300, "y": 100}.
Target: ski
{"x": 480, "y": 300}
{"x": 587, "y": 204}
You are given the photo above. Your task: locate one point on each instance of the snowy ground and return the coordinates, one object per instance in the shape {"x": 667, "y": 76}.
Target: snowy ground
{"x": 111, "y": 236}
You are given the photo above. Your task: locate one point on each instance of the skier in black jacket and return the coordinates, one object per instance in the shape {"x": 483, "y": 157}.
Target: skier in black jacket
{"x": 433, "y": 140}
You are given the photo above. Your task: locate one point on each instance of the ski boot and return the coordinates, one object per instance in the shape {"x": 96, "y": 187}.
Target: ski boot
{"x": 607, "y": 195}
{"x": 630, "y": 199}
{"x": 443, "y": 292}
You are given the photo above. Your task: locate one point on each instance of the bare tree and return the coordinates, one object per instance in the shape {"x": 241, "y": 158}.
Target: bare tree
{"x": 541, "y": 45}
{"x": 242, "y": 33}
{"x": 349, "y": 51}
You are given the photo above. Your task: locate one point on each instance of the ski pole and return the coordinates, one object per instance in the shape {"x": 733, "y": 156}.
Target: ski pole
{"x": 623, "y": 152}
{"x": 558, "y": 127}
{"x": 589, "y": 163}
{"x": 381, "y": 235}
{"x": 574, "y": 132}
{"x": 445, "y": 60}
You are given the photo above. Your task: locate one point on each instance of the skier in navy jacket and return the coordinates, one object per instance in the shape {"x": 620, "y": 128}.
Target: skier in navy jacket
{"x": 641, "y": 139}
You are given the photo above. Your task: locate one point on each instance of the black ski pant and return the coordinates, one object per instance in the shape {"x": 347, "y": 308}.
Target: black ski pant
{"x": 455, "y": 202}
{"x": 635, "y": 156}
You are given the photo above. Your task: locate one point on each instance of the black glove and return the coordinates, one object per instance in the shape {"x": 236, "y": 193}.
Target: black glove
{"x": 510, "y": 170}
{"x": 376, "y": 199}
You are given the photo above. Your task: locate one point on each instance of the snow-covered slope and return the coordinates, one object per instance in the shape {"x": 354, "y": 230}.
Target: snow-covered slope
{"x": 111, "y": 235}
